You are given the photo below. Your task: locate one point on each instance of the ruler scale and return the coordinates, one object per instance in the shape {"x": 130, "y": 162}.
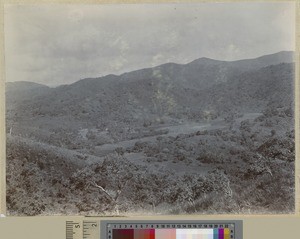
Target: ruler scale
{"x": 73, "y": 230}
{"x": 129, "y": 229}
{"x": 170, "y": 230}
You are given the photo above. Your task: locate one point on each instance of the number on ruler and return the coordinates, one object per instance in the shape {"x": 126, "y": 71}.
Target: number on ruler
{"x": 91, "y": 230}
{"x": 73, "y": 230}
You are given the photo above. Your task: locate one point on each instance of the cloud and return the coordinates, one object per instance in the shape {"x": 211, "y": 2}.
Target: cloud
{"x": 60, "y": 44}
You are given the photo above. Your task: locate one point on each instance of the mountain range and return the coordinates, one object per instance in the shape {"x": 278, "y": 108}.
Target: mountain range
{"x": 193, "y": 91}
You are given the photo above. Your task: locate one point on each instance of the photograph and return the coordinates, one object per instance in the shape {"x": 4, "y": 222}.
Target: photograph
{"x": 150, "y": 109}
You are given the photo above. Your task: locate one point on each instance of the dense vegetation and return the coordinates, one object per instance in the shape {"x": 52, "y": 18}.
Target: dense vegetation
{"x": 166, "y": 145}
{"x": 248, "y": 173}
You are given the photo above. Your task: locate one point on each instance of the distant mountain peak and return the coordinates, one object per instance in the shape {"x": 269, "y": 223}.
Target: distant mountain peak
{"x": 205, "y": 60}
{"x": 286, "y": 56}
{"x": 23, "y": 86}
{"x": 25, "y": 83}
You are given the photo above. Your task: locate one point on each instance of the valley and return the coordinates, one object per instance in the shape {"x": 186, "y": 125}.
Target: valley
{"x": 207, "y": 137}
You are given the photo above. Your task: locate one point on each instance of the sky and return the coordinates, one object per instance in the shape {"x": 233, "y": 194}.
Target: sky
{"x": 61, "y": 44}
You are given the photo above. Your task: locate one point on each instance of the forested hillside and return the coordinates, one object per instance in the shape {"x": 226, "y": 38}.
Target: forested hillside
{"x": 205, "y": 137}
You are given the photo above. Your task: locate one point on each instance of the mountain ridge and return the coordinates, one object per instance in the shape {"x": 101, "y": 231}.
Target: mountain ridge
{"x": 265, "y": 60}
{"x": 168, "y": 92}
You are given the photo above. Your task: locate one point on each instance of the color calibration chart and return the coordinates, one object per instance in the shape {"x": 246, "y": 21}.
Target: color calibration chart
{"x": 191, "y": 230}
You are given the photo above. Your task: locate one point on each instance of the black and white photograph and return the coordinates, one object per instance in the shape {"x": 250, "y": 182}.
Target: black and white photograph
{"x": 150, "y": 109}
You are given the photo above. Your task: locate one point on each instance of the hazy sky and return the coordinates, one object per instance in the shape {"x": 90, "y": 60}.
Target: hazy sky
{"x": 60, "y": 44}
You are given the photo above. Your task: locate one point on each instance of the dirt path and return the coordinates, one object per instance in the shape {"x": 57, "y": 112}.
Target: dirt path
{"x": 82, "y": 159}
{"x": 173, "y": 131}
